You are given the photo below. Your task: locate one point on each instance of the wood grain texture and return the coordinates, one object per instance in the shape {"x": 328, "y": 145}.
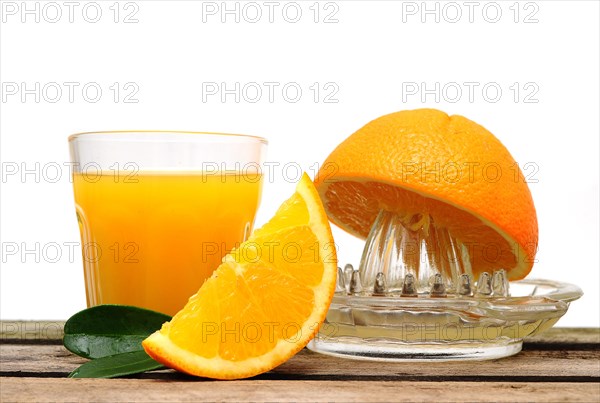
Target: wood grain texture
{"x": 559, "y": 365}
{"x": 132, "y": 390}
{"x": 567, "y": 335}
{"x": 16, "y": 331}
{"x": 31, "y": 330}
{"x": 55, "y": 360}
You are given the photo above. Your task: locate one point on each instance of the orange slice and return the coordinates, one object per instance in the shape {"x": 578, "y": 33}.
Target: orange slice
{"x": 423, "y": 161}
{"x": 263, "y": 304}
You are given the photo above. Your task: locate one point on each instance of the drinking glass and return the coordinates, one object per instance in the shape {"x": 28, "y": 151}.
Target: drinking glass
{"x": 158, "y": 210}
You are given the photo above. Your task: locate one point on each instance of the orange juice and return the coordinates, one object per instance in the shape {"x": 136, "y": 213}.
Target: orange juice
{"x": 151, "y": 239}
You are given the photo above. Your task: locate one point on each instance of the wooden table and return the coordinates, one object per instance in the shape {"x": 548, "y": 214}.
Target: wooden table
{"x": 560, "y": 365}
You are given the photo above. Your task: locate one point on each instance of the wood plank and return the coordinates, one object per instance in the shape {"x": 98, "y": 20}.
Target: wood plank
{"x": 102, "y": 390}
{"x": 55, "y": 360}
{"x": 43, "y": 359}
{"x": 34, "y": 330}
{"x": 14, "y": 331}
{"x": 567, "y": 335}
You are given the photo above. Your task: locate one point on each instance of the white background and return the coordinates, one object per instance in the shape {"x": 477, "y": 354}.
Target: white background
{"x": 371, "y": 56}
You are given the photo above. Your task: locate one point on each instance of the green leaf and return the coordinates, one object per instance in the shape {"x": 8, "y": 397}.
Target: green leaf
{"x": 106, "y": 330}
{"x": 116, "y": 365}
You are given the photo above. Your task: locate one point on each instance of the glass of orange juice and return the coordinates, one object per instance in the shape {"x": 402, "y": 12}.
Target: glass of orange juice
{"x": 158, "y": 210}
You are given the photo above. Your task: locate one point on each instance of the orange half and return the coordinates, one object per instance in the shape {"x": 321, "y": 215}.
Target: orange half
{"x": 426, "y": 162}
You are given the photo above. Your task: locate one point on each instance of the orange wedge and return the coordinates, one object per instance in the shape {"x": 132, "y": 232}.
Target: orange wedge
{"x": 425, "y": 163}
{"x": 263, "y": 304}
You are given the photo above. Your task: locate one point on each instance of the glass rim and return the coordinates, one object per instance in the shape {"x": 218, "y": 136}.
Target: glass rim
{"x": 110, "y": 133}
